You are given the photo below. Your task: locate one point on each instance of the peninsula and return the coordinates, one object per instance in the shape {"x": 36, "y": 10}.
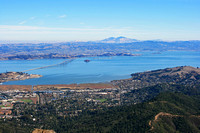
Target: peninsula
{"x": 12, "y": 76}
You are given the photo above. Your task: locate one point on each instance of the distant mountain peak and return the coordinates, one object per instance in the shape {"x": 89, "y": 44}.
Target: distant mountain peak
{"x": 119, "y": 39}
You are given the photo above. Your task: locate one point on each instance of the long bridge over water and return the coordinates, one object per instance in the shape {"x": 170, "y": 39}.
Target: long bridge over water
{"x": 64, "y": 62}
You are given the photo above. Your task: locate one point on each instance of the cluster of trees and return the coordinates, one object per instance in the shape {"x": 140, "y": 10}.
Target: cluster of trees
{"x": 147, "y": 93}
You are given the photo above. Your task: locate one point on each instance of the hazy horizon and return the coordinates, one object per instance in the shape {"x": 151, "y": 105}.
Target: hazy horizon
{"x": 60, "y": 41}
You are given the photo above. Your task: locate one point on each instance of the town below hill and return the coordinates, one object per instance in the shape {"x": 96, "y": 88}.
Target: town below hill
{"x": 152, "y": 101}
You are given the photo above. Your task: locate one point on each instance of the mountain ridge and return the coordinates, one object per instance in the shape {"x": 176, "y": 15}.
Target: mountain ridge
{"x": 119, "y": 39}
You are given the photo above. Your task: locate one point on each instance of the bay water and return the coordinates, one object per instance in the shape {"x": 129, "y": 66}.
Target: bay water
{"x": 99, "y": 69}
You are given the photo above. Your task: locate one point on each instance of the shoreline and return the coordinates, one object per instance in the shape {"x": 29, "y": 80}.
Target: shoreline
{"x": 89, "y": 79}
{"x": 114, "y": 84}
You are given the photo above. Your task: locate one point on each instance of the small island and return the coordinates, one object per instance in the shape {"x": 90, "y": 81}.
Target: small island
{"x": 12, "y": 76}
{"x": 86, "y": 61}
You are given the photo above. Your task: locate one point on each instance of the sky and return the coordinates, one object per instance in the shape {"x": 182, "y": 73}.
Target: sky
{"x": 88, "y": 20}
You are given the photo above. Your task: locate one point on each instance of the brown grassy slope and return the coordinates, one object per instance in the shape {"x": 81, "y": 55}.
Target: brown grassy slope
{"x": 75, "y": 86}
{"x": 16, "y": 87}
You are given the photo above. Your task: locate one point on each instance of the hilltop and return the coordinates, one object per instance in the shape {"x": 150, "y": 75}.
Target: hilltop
{"x": 120, "y": 39}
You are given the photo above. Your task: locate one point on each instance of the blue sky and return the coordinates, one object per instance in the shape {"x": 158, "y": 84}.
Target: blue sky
{"x": 83, "y": 20}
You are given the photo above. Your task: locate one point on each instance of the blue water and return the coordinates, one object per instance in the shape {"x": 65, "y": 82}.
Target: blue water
{"x": 99, "y": 69}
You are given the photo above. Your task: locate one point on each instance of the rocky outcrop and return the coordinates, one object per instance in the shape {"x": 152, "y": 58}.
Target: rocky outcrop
{"x": 43, "y": 131}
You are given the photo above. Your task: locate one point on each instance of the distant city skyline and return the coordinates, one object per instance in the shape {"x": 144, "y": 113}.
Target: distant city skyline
{"x": 90, "y": 20}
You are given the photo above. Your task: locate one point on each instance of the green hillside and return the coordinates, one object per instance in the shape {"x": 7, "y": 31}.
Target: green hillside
{"x": 184, "y": 117}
